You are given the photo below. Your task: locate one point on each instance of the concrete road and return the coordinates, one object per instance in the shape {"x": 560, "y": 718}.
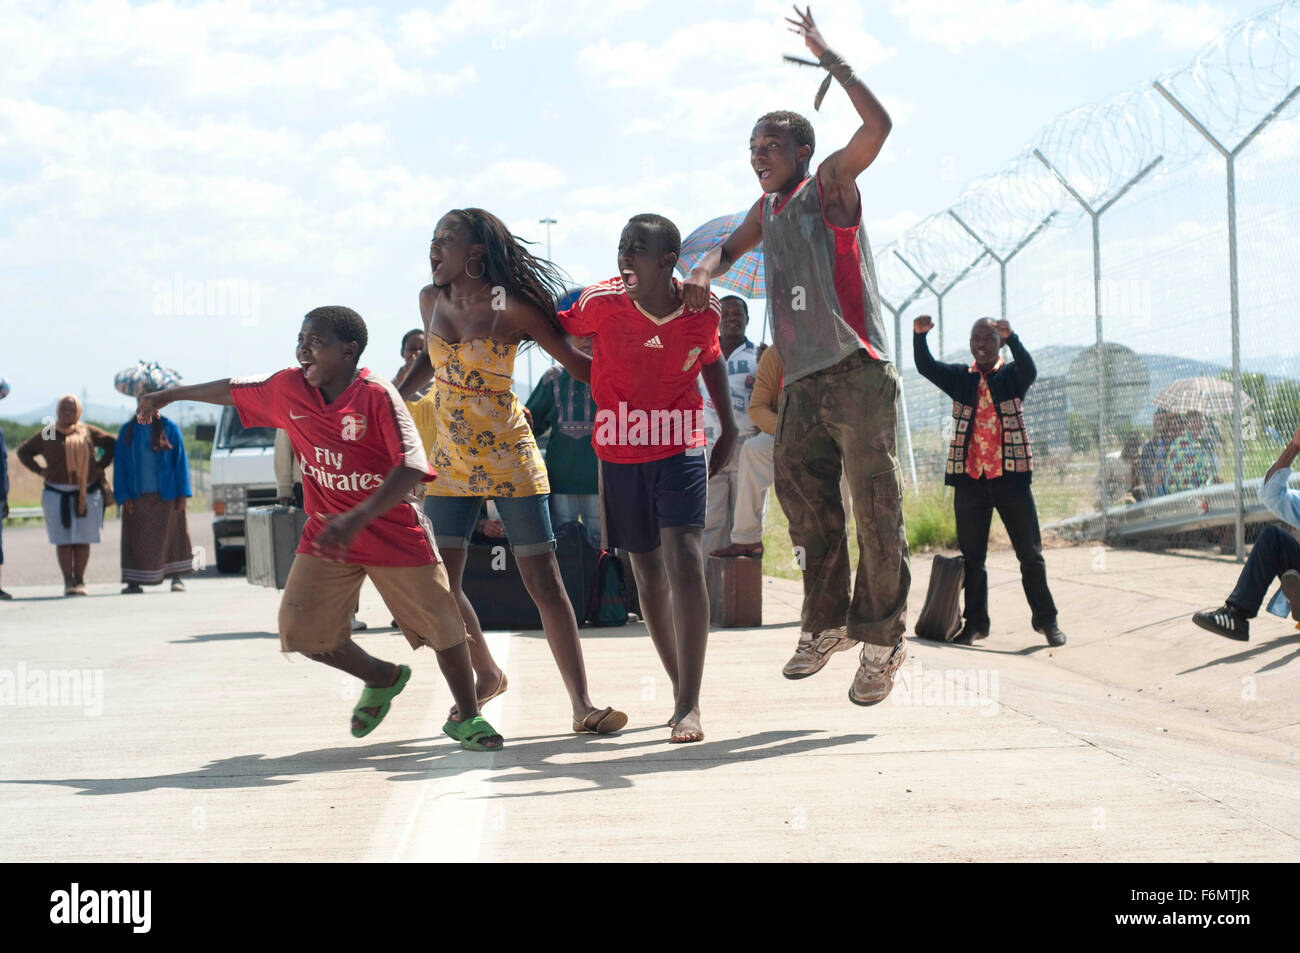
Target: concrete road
{"x": 188, "y": 736}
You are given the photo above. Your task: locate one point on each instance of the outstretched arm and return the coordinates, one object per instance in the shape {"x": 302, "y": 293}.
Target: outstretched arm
{"x": 213, "y": 392}
{"x": 554, "y": 342}
{"x": 840, "y": 170}
{"x": 720, "y": 258}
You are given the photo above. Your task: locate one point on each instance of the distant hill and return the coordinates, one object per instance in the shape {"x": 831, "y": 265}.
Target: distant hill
{"x": 925, "y": 406}
{"x": 117, "y": 414}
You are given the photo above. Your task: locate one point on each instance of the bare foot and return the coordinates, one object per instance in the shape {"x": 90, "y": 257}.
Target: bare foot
{"x": 688, "y": 728}
{"x": 483, "y": 693}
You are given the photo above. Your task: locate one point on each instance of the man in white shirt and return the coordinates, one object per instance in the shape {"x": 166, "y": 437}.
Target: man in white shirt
{"x": 1275, "y": 555}
{"x": 742, "y": 365}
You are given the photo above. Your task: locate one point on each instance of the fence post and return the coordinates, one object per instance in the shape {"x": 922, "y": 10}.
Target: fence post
{"x": 1230, "y": 158}
{"x": 1095, "y": 215}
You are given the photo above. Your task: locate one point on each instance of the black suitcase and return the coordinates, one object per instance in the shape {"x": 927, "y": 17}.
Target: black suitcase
{"x": 940, "y": 618}
{"x": 496, "y": 591}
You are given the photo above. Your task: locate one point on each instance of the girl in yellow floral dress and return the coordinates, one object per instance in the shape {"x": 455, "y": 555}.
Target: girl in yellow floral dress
{"x": 488, "y": 296}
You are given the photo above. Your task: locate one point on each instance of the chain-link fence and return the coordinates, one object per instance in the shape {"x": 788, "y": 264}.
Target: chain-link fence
{"x": 1146, "y": 251}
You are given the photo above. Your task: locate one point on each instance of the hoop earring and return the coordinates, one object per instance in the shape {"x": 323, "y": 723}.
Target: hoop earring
{"x": 482, "y": 269}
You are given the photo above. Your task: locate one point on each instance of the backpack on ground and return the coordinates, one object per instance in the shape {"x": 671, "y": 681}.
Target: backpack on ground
{"x": 607, "y": 605}
{"x": 940, "y": 618}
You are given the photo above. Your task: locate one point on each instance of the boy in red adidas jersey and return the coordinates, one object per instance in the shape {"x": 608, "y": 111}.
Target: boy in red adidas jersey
{"x": 839, "y": 405}
{"x": 648, "y": 350}
{"x": 360, "y": 457}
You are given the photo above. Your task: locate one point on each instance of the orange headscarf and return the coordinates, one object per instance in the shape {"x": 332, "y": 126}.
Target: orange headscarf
{"x": 77, "y": 450}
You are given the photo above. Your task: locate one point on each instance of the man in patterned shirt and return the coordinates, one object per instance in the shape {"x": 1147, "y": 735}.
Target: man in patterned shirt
{"x": 990, "y": 466}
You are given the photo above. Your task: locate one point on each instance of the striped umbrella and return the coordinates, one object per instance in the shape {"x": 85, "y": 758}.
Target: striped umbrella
{"x": 1208, "y": 395}
{"x": 745, "y": 277}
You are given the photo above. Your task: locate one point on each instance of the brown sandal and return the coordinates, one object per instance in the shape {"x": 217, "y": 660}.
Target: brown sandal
{"x": 499, "y": 690}
{"x": 606, "y": 721}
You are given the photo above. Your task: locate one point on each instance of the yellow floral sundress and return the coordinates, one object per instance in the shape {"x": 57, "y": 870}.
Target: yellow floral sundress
{"x": 484, "y": 446}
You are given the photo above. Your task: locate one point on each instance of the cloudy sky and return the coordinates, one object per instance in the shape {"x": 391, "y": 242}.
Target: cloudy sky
{"x": 300, "y": 153}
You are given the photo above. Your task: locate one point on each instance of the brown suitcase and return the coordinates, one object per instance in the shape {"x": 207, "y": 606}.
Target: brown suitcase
{"x": 735, "y": 591}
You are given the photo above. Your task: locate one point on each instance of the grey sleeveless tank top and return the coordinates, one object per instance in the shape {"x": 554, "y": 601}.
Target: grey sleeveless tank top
{"x": 821, "y": 285}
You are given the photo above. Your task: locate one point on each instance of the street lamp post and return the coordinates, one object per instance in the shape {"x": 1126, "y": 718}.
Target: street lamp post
{"x": 548, "y": 222}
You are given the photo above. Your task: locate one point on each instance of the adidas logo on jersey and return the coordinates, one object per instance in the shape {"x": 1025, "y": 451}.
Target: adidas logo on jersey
{"x": 654, "y": 342}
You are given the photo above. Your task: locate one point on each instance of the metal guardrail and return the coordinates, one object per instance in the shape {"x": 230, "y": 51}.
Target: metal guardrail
{"x": 1182, "y": 512}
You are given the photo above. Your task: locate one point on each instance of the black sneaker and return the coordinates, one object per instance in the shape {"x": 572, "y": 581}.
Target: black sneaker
{"x": 1291, "y": 589}
{"x": 1225, "y": 621}
{"x": 970, "y": 633}
{"x": 1055, "y": 636}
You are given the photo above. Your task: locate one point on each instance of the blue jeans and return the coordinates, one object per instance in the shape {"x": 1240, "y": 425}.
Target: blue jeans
{"x": 527, "y": 519}
{"x": 1274, "y": 552}
{"x": 567, "y": 507}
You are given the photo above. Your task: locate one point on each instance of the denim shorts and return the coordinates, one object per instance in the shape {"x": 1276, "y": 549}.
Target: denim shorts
{"x": 527, "y": 520}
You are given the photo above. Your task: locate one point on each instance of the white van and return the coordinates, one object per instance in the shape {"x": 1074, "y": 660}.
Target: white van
{"x": 243, "y": 475}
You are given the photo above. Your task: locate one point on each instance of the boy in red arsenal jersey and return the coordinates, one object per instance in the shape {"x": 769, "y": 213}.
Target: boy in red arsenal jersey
{"x": 648, "y": 349}
{"x": 839, "y": 408}
{"x": 360, "y": 457}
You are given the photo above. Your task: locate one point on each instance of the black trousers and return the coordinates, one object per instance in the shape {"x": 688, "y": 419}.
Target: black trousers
{"x": 1274, "y": 552}
{"x": 974, "y": 502}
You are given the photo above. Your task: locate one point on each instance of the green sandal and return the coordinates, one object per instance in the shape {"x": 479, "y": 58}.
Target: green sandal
{"x": 381, "y": 698}
{"x": 472, "y": 733}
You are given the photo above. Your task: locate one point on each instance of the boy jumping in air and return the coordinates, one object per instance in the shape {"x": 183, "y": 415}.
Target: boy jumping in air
{"x": 840, "y": 402}
{"x": 360, "y": 458}
{"x": 648, "y": 349}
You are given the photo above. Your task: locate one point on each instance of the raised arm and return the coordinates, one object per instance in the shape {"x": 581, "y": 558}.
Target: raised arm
{"x": 840, "y": 170}
{"x": 1286, "y": 457}
{"x": 941, "y": 375}
{"x": 1026, "y": 370}
{"x": 719, "y": 259}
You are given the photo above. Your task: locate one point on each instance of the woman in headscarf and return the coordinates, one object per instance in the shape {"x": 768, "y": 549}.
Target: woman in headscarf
{"x": 152, "y": 476}
{"x": 76, "y": 491}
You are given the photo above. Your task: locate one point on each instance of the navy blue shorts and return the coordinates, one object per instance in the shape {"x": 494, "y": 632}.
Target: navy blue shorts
{"x": 642, "y": 498}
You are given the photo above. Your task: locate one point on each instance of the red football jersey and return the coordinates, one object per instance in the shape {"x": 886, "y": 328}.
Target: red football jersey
{"x": 643, "y": 372}
{"x": 345, "y": 450}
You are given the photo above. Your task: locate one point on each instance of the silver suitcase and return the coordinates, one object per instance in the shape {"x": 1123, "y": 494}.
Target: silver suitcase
{"x": 271, "y": 535}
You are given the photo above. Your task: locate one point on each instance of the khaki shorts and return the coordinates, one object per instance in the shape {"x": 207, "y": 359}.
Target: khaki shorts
{"x": 320, "y": 597}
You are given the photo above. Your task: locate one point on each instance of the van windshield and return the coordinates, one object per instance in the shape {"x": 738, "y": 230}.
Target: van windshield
{"x": 233, "y": 435}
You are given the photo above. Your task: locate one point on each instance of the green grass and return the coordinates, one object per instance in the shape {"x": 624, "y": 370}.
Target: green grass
{"x": 928, "y": 517}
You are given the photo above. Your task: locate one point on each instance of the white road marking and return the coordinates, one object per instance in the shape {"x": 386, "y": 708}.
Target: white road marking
{"x": 440, "y": 819}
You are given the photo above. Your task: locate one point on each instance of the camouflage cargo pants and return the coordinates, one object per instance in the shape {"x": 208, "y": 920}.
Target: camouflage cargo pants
{"x": 845, "y": 416}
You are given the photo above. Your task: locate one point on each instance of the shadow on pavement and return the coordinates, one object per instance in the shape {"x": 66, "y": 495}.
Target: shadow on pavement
{"x": 223, "y": 637}
{"x": 440, "y": 755}
{"x": 1252, "y": 652}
